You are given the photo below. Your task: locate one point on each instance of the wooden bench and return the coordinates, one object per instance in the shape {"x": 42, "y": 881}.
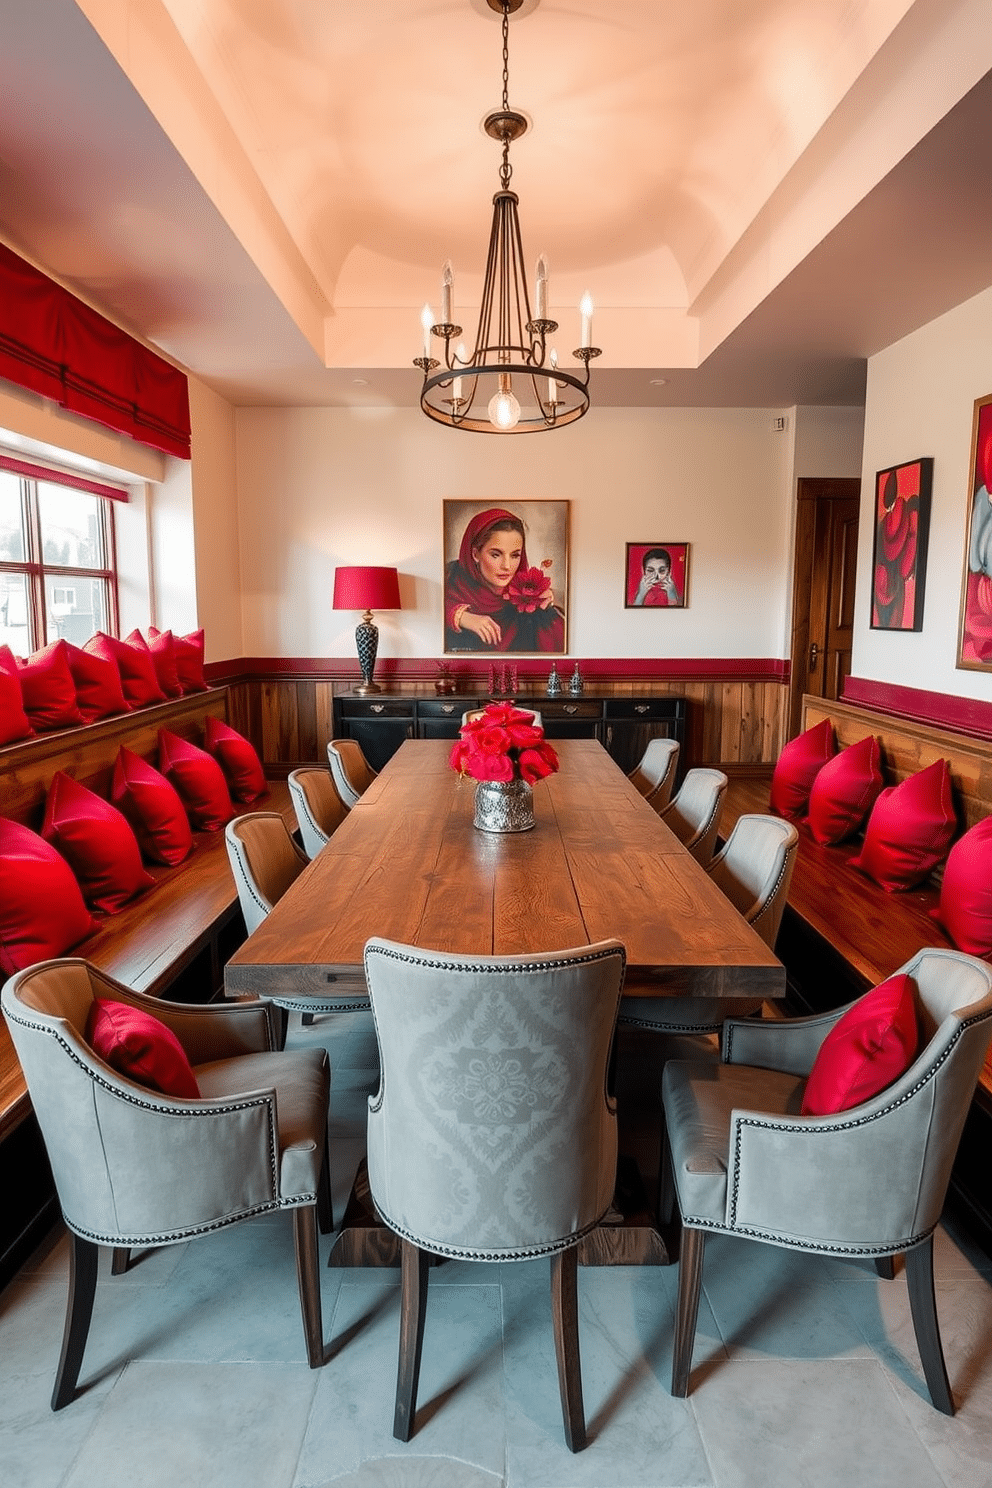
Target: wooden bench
{"x": 841, "y": 933}
{"x": 173, "y": 940}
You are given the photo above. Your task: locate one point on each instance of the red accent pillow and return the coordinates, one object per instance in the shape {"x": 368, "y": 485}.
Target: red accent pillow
{"x": 42, "y": 913}
{"x": 97, "y": 843}
{"x": 161, "y": 649}
{"x": 14, "y": 722}
{"x": 965, "y": 909}
{"x": 99, "y": 693}
{"x": 241, "y": 765}
{"x": 139, "y": 1046}
{"x": 909, "y": 830}
{"x": 844, "y": 791}
{"x": 870, "y": 1046}
{"x": 152, "y": 807}
{"x": 48, "y": 690}
{"x": 199, "y": 780}
{"x": 188, "y": 652}
{"x": 798, "y": 766}
{"x": 137, "y": 671}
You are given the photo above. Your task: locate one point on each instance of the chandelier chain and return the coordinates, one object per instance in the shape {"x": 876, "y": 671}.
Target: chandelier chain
{"x": 506, "y": 169}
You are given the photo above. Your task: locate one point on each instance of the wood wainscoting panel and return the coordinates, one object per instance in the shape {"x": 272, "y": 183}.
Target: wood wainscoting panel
{"x": 733, "y": 722}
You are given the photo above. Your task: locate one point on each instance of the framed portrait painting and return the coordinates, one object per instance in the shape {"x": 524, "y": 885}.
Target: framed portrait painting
{"x": 975, "y": 630}
{"x": 902, "y": 531}
{"x": 505, "y": 577}
{"x": 656, "y": 576}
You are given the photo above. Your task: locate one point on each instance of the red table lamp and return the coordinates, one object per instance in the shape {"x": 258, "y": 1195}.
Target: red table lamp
{"x": 366, "y": 588}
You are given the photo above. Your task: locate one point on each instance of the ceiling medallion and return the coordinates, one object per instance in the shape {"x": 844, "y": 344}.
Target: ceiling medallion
{"x": 511, "y": 382}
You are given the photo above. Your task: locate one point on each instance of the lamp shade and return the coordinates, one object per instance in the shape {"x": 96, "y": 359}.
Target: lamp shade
{"x": 360, "y": 587}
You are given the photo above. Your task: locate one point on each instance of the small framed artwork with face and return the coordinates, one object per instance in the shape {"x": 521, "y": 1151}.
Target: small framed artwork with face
{"x": 657, "y": 576}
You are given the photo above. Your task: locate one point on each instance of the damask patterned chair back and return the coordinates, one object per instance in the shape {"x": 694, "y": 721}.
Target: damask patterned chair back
{"x": 654, "y": 777}
{"x": 493, "y": 1132}
{"x": 350, "y": 769}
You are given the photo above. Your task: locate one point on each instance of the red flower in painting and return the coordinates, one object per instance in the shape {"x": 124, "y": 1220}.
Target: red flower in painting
{"x": 503, "y": 744}
{"x": 530, "y": 589}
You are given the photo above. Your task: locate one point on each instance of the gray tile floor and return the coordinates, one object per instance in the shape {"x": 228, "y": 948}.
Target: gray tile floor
{"x": 805, "y": 1369}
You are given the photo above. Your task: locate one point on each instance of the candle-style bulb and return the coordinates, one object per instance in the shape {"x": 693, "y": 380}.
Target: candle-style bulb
{"x": 552, "y": 384}
{"x": 542, "y": 288}
{"x": 585, "y": 306}
{"x": 447, "y": 284}
{"x": 427, "y": 320}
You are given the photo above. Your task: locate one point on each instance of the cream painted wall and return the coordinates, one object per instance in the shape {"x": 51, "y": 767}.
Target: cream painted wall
{"x": 209, "y": 584}
{"x": 920, "y": 398}
{"x": 319, "y": 486}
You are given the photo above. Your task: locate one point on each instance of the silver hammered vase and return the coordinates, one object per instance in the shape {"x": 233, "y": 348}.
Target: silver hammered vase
{"x": 504, "y": 806}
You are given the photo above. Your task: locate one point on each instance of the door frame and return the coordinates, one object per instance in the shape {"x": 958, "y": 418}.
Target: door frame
{"x": 810, "y": 491}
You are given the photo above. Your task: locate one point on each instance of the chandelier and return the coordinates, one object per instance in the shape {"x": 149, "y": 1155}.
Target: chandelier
{"x": 511, "y": 382}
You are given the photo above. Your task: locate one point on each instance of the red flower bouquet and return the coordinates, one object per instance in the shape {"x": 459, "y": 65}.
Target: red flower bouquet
{"x": 503, "y": 744}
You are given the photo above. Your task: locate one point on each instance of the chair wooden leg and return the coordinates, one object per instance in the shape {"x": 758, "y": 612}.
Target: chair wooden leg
{"x": 885, "y": 1267}
{"x": 687, "y": 1308}
{"x": 83, "y": 1259}
{"x": 325, "y": 1207}
{"x": 923, "y": 1305}
{"x": 565, "y": 1320}
{"x": 413, "y": 1312}
{"x": 308, "y": 1280}
{"x": 121, "y": 1260}
{"x": 307, "y": 1019}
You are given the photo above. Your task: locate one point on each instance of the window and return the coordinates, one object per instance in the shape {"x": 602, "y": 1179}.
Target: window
{"x": 58, "y": 575}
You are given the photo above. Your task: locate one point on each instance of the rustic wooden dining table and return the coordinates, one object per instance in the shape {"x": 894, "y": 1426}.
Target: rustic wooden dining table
{"x": 408, "y": 864}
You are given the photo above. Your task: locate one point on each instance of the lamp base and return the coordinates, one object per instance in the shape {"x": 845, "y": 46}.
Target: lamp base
{"x": 367, "y": 644}
{"x": 365, "y": 689}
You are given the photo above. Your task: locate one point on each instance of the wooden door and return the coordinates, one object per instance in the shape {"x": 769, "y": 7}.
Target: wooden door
{"x": 823, "y": 590}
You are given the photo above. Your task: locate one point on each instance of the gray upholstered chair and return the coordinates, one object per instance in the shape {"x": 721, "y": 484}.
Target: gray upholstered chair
{"x": 867, "y": 1182}
{"x": 694, "y": 812}
{"x": 319, "y": 809}
{"x": 265, "y": 861}
{"x": 754, "y": 870}
{"x": 654, "y": 777}
{"x": 133, "y": 1167}
{"x": 493, "y": 1132}
{"x": 351, "y": 770}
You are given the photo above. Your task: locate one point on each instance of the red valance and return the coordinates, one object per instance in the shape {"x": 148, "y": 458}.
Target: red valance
{"x": 53, "y": 344}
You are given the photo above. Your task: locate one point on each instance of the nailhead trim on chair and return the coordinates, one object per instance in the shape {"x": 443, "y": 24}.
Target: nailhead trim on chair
{"x": 197, "y": 1114}
{"x": 496, "y": 969}
{"x": 263, "y": 904}
{"x": 774, "y": 893}
{"x": 463, "y": 1253}
{"x": 700, "y": 1222}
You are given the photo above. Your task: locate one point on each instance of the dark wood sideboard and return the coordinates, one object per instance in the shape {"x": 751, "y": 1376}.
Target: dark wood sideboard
{"x": 624, "y": 725}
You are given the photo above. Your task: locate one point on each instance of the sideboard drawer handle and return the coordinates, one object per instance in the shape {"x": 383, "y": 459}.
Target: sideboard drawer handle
{"x": 642, "y": 708}
{"x": 447, "y": 707}
{"x": 377, "y": 707}
{"x": 571, "y": 708}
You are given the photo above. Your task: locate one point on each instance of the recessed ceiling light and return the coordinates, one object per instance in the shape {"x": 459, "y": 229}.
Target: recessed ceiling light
{"x": 359, "y": 382}
{"x": 658, "y": 381}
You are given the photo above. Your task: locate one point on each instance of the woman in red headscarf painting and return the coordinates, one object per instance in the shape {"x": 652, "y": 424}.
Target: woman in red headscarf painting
{"x": 493, "y": 599}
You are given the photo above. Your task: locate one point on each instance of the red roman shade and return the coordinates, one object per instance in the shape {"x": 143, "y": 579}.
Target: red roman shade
{"x": 53, "y": 344}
